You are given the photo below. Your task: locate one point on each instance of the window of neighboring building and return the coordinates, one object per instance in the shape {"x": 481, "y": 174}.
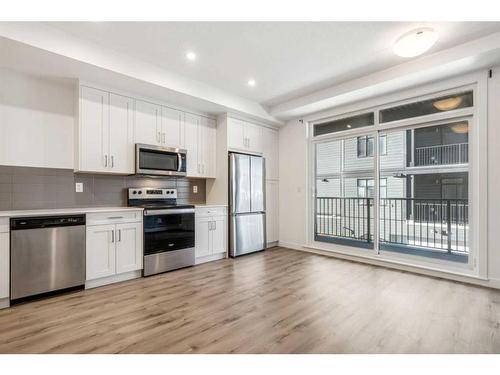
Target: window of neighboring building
{"x": 366, "y": 146}
{"x": 366, "y": 188}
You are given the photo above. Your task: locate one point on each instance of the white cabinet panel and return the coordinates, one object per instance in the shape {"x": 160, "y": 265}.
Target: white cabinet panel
{"x": 4, "y": 265}
{"x": 94, "y": 130}
{"x": 101, "y": 260}
{"x": 272, "y": 211}
{"x": 202, "y": 237}
{"x": 270, "y": 152}
{"x": 219, "y": 236}
{"x": 191, "y": 124}
{"x": 121, "y": 134}
{"x": 147, "y": 123}
{"x": 128, "y": 247}
{"x": 172, "y": 125}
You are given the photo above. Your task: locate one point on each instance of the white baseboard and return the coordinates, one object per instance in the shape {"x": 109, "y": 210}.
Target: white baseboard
{"x": 89, "y": 284}
{"x": 272, "y": 244}
{"x": 210, "y": 258}
{"x": 291, "y": 245}
{"x": 4, "y": 303}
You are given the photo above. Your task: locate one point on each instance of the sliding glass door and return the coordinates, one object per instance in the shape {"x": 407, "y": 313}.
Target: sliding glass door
{"x": 425, "y": 174}
{"x": 396, "y": 182}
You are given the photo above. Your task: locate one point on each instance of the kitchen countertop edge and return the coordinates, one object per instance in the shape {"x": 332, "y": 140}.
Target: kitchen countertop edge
{"x": 65, "y": 211}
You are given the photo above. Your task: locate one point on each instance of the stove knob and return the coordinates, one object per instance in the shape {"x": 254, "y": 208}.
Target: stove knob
{"x": 134, "y": 192}
{"x": 139, "y": 192}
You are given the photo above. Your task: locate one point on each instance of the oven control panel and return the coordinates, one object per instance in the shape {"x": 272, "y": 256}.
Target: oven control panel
{"x": 151, "y": 193}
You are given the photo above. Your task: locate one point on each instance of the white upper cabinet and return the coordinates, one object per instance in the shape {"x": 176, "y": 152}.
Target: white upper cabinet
{"x": 191, "y": 124}
{"x": 207, "y": 146}
{"x": 270, "y": 151}
{"x": 93, "y": 131}
{"x": 200, "y": 142}
{"x": 253, "y": 135}
{"x": 172, "y": 127}
{"x": 235, "y": 134}
{"x": 148, "y": 123}
{"x": 245, "y": 136}
{"x": 121, "y": 134}
{"x": 106, "y": 132}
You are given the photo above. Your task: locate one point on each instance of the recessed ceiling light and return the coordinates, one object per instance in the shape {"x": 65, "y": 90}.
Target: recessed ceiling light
{"x": 191, "y": 56}
{"x": 251, "y": 82}
{"x": 415, "y": 42}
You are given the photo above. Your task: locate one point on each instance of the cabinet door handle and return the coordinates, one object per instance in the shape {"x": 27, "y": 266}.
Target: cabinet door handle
{"x": 158, "y": 137}
{"x": 215, "y": 225}
{"x": 112, "y": 236}
{"x": 164, "y": 138}
{"x": 106, "y": 160}
{"x": 112, "y": 161}
{"x": 119, "y": 235}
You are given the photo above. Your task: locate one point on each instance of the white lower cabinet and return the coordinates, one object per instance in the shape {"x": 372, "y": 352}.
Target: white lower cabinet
{"x": 4, "y": 263}
{"x": 210, "y": 234}
{"x": 113, "y": 250}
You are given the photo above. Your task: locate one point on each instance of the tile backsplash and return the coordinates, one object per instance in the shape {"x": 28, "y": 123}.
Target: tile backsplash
{"x": 31, "y": 188}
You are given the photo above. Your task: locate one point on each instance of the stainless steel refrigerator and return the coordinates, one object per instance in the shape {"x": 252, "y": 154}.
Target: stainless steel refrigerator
{"x": 247, "y": 204}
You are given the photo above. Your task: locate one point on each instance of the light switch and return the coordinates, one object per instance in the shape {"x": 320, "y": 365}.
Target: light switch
{"x": 195, "y": 189}
{"x": 79, "y": 187}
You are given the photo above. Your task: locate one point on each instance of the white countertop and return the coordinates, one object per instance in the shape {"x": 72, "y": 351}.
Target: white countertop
{"x": 65, "y": 211}
{"x": 210, "y": 205}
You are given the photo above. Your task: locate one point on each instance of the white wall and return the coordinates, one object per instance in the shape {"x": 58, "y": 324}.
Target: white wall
{"x": 292, "y": 187}
{"x": 36, "y": 121}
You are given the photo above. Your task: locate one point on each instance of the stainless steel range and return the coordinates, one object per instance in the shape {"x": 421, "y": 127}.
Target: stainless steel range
{"x": 168, "y": 229}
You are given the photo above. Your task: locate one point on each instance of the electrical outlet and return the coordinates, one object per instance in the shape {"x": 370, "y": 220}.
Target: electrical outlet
{"x": 195, "y": 189}
{"x": 79, "y": 187}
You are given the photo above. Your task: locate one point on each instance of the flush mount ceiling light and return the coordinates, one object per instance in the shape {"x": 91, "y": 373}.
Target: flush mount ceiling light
{"x": 190, "y": 55}
{"x": 415, "y": 42}
{"x": 448, "y": 104}
{"x": 251, "y": 82}
{"x": 460, "y": 128}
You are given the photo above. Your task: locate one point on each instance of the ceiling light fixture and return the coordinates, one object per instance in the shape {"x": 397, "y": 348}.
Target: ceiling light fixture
{"x": 415, "y": 42}
{"x": 251, "y": 82}
{"x": 190, "y": 55}
{"x": 448, "y": 104}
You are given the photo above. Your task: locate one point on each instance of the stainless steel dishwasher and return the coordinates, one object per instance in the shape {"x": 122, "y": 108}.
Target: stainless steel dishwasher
{"x": 47, "y": 254}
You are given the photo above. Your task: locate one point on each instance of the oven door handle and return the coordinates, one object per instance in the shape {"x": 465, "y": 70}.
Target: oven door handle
{"x": 169, "y": 211}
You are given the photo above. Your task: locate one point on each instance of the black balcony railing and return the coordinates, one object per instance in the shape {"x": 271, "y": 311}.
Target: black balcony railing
{"x": 437, "y": 225}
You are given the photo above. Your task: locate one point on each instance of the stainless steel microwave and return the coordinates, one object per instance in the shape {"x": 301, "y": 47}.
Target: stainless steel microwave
{"x": 161, "y": 161}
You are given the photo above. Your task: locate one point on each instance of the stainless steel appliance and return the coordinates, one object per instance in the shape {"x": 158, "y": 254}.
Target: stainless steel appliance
{"x": 247, "y": 206}
{"x": 168, "y": 229}
{"x": 161, "y": 161}
{"x": 47, "y": 254}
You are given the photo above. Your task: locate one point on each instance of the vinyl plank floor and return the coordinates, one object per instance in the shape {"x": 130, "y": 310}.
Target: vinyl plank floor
{"x": 277, "y": 301}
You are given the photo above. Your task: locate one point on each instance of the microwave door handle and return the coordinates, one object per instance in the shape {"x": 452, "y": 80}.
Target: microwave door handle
{"x": 179, "y": 157}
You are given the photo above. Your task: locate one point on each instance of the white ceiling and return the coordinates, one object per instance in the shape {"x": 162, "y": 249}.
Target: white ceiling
{"x": 287, "y": 59}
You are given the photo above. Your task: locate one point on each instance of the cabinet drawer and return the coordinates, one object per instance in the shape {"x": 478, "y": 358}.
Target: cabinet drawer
{"x": 211, "y": 211}
{"x": 4, "y": 224}
{"x": 98, "y": 218}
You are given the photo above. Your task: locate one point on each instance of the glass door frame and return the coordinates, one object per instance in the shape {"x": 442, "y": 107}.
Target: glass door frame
{"x": 477, "y": 265}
